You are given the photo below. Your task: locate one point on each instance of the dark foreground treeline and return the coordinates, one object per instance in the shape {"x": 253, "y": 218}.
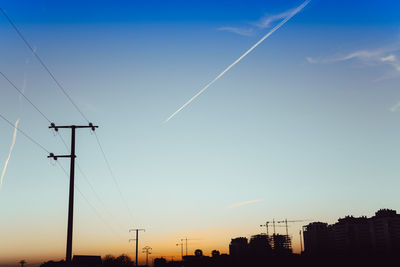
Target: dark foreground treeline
{"x": 93, "y": 261}
{"x": 228, "y": 261}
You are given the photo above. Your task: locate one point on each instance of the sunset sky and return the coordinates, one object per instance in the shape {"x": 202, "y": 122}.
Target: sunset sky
{"x": 305, "y": 127}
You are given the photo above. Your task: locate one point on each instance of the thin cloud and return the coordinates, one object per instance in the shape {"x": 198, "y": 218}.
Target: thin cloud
{"x": 244, "y": 203}
{"x": 268, "y": 20}
{"x": 390, "y": 58}
{"x": 395, "y": 107}
{"x": 9, "y": 153}
{"x": 265, "y": 22}
{"x": 240, "y": 31}
{"x": 377, "y": 57}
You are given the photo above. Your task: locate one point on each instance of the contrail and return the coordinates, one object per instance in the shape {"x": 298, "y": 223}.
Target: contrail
{"x": 244, "y": 203}
{"x": 291, "y": 14}
{"x": 9, "y": 153}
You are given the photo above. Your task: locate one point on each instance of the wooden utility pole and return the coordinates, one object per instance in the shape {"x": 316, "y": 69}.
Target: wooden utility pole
{"x": 72, "y": 156}
{"x": 137, "y": 242}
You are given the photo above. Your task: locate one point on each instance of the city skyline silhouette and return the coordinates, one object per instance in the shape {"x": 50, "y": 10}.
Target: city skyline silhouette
{"x": 298, "y": 125}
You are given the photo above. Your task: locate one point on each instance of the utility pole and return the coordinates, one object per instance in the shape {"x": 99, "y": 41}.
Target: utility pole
{"x": 273, "y": 223}
{"x": 301, "y": 243}
{"x": 181, "y": 244}
{"x": 22, "y": 263}
{"x": 147, "y": 250}
{"x": 137, "y": 242}
{"x": 185, "y": 239}
{"x": 72, "y": 157}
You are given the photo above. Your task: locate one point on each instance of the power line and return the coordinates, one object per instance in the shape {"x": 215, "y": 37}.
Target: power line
{"x": 62, "y": 139}
{"x": 90, "y": 204}
{"x": 69, "y": 98}
{"x": 46, "y": 118}
{"x": 87, "y": 180}
{"x": 43, "y": 64}
{"x": 113, "y": 176}
{"x": 25, "y": 134}
{"x": 27, "y": 99}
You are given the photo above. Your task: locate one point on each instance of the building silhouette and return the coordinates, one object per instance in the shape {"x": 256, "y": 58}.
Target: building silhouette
{"x": 259, "y": 246}
{"x": 238, "y": 248}
{"x": 317, "y": 238}
{"x": 281, "y": 244}
{"x": 353, "y": 236}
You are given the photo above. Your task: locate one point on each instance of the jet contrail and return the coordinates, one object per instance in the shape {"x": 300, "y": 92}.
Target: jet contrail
{"x": 244, "y": 203}
{"x": 294, "y": 12}
{"x": 9, "y": 153}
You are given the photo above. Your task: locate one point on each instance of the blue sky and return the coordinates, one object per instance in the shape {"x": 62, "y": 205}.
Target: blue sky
{"x": 307, "y": 123}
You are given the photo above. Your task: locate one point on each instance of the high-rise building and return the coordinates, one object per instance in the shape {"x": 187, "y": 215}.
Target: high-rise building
{"x": 238, "y": 248}
{"x": 385, "y": 230}
{"x": 259, "y": 246}
{"x": 379, "y": 234}
{"x": 281, "y": 244}
{"x": 352, "y": 235}
{"x": 317, "y": 238}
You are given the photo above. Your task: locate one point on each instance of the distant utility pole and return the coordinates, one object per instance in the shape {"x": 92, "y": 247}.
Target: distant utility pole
{"x": 137, "y": 242}
{"x": 181, "y": 244}
{"x": 301, "y": 243}
{"x": 72, "y": 156}
{"x": 147, "y": 250}
{"x": 185, "y": 239}
{"x": 22, "y": 263}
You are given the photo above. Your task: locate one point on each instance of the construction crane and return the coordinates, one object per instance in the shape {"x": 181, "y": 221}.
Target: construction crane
{"x": 273, "y": 224}
{"x": 292, "y": 221}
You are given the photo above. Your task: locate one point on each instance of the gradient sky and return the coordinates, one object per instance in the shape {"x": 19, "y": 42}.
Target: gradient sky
{"x": 305, "y": 127}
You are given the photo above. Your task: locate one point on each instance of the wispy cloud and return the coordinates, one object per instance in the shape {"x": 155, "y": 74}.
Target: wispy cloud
{"x": 389, "y": 58}
{"x": 9, "y": 153}
{"x": 375, "y": 57}
{"x": 395, "y": 107}
{"x": 240, "y": 31}
{"x": 243, "y": 203}
{"x": 266, "y": 21}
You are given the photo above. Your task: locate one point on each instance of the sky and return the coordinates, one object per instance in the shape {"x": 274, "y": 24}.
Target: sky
{"x": 305, "y": 127}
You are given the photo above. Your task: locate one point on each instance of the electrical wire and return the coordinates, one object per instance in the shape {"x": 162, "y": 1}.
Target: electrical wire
{"x": 62, "y": 139}
{"x": 90, "y": 204}
{"x": 70, "y": 99}
{"x": 87, "y": 180}
{"x": 26, "y": 98}
{"x": 25, "y": 134}
{"x": 43, "y": 64}
{"x": 113, "y": 176}
{"x": 65, "y": 144}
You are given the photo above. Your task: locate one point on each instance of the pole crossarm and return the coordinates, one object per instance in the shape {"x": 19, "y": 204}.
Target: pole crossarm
{"x": 131, "y": 230}
{"x": 55, "y": 127}
{"x": 55, "y": 157}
